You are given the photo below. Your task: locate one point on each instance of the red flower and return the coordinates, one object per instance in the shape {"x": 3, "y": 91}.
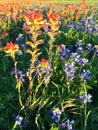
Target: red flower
{"x": 11, "y": 48}
{"x": 35, "y": 19}
{"x": 4, "y": 34}
{"x": 44, "y": 63}
{"x": 58, "y": 47}
{"x": 53, "y": 16}
{"x": 54, "y": 21}
{"x": 27, "y": 29}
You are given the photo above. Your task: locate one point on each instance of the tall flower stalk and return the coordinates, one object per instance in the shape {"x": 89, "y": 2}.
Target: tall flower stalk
{"x": 85, "y": 99}
{"x": 11, "y": 49}
{"x": 53, "y": 23}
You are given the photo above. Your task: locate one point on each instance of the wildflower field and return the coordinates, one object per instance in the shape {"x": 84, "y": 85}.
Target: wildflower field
{"x": 48, "y": 65}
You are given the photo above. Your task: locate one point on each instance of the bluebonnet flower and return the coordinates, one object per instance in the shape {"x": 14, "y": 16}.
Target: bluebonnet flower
{"x": 68, "y": 124}
{"x": 79, "y": 51}
{"x": 19, "y": 120}
{"x": 90, "y": 19}
{"x": 85, "y": 98}
{"x": 88, "y": 47}
{"x": 79, "y": 43}
{"x": 64, "y": 52}
{"x": 83, "y": 21}
{"x": 97, "y": 53}
{"x": 67, "y": 52}
{"x": 73, "y": 26}
{"x": 81, "y": 61}
{"x": 88, "y": 30}
{"x": 96, "y": 50}
{"x": 94, "y": 29}
{"x": 55, "y": 114}
{"x": 36, "y": 62}
{"x": 85, "y": 75}
{"x": 23, "y": 46}
{"x": 86, "y": 24}
{"x": 70, "y": 71}
{"x": 19, "y": 39}
{"x": 71, "y": 48}
{"x": 74, "y": 55}
{"x": 20, "y": 74}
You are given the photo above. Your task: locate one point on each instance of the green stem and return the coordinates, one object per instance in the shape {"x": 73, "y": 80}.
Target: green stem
{"x": 16, "y": 75}
{"x": 19, "y": 94}
{"x": 30, "y": 86}
{"x": 85, "y": 109}
{"x": 15, "y": 125}
{"x": 85, "y": 116}
{"x": 50, "y": 48}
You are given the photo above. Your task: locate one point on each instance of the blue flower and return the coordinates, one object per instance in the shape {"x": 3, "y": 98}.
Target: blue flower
{"x": 44, "y": 71}
{"x": 56, "y": 114}
{"x": 79, "y": 43}
{"x": 97, "y": 53}
{"x": 74, "y": 55}
{"x": 19, "y": 39}
{"x": 88, "y": 47}
{"x": 79, "y": 50}
{"x": 70, "y": 71}
{"x": 64, "y": 52}
{"x": 68, "y": 124}
{"x": 20, "y": 74}
{"x": 85, "y": 75}
{"x": 36, "y": 62}
{"x": 19, "y": 120}
{"x": 85, "y": 98}
{"x": 81, "y": 61}
{"x": 23, "y": 47}
{"x": 71, "y": 48}
{"x": 83, "y": 21}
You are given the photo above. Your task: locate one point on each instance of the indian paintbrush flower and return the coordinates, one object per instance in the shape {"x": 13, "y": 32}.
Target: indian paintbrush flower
{"x": 35, "y": 20}
{"x": 53, "y": 20}
{"x": 44, "y": 70}
{"x": 11, "y": 49}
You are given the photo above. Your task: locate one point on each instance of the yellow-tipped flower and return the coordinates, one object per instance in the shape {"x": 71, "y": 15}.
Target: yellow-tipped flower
{"x": 35, "y": 19}
{"x": 11, "y": 49}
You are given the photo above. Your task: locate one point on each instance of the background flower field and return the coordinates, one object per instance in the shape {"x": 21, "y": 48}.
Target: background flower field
{"x": 48, "y": 65}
